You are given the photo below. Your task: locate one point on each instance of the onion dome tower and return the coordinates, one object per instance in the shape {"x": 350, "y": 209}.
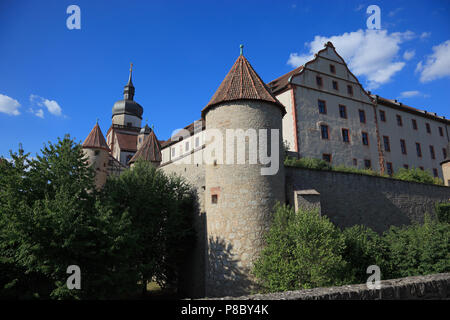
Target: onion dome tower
{"x": 149, "y": 151}
{"x": 239, "y": 197}
{"x": 127, "y": 112}
{"x": 97, "y": 152}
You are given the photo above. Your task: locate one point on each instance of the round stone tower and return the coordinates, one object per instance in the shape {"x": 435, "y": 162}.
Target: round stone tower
{"x": 97, "y": 152}
{"x": 240, "y": 191}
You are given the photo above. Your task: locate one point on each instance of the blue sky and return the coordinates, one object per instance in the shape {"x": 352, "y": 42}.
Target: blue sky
{"x": 56, "y": 81}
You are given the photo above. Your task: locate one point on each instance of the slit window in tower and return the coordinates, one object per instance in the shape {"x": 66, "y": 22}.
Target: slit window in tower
{"x": 214, "y": 198}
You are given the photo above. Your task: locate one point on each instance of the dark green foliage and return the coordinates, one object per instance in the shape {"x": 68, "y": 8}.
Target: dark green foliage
{"x": 303, "y": 250}
{"x": 52, "y": 217}
{"x": 307, "y": 163}
{"x": 417, "y": 175}
{"x": 363, "y": 247}
{"x": 418, "y": 249}
{"x": 443, "y": 212}
{"x": 414, "y": 175}
{"x": 159, "y": 207}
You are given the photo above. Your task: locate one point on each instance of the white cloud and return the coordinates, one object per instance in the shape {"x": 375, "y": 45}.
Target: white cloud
{"x": 358, "y": 8}
{"x": 409, "y": 54}
{"x": 394, "y": 12}
{"x": 437, "y": 65}
{"x": 425, "y": 35}
{"x": 369, "y": 53}
{"x": 52, "y": 106}
{"x": 38, "y": 113}
{"x": 409, "y": 94}
{"x": 9, "y": 105}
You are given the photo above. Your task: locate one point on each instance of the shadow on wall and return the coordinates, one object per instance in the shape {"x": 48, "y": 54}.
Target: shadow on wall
{"x": 226, "y": 277}
{"x": 191, "y": 282}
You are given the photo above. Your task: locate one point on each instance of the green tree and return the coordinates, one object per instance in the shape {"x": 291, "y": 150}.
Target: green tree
{"x": 160, "y": 210}
{"x": 417, "y": 175}
{"x": 303, "y": 250}
{"x": 442, "y": 211}
{"x": 50, "y": 219}
{"x": 363, "y": 247}
{"x": 417, "y": 249}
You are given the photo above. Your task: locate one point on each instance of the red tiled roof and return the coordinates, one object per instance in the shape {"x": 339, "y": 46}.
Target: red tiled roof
{"x": 95, "y": 139}
{"x": 127, "y": 141}
{"x": 149, "y": 151}
{"x": 242, "y": 83}
{"x": 282, "y": 82}
{"x": 402, "y": 107}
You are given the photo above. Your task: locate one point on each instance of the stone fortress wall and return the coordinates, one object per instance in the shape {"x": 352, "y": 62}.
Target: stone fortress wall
{"x": 434, "y": 286}
{"x": 376, "y": 202}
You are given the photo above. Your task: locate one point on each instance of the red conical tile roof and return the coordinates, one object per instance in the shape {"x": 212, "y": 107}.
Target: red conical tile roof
{"x": 242, "y": 83}
{"x": 149, "y": 151}
{"x": 95, "y": 139}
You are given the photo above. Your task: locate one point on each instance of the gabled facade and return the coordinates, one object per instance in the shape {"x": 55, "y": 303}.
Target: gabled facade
{"x": 330, "y": 116}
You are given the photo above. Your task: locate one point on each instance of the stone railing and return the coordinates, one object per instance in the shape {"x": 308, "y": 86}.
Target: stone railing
{"x": 435, "y": 286}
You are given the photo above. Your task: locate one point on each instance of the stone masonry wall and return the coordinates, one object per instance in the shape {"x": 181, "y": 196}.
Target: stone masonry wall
{"x": 434, "y": 286}
{"x": 349, "y": 199}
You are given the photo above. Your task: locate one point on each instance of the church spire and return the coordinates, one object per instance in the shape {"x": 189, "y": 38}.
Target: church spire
{"x": 128, "y": 92}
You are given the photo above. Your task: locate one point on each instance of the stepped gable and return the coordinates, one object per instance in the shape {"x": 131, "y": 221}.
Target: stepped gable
{"x": 95, "y": 139}
{"x": 242, "y": 83}
{"x": 149, "y": 151}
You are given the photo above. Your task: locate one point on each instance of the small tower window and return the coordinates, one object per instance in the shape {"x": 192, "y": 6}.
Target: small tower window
{"x": 214, "y": 199}
{"x": 97, "y": 152}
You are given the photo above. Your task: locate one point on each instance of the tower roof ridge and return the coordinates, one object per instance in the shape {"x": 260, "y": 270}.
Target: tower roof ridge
{"x": 95, "y": 139}
{"x": 150, "y": 149}
{"x": 242, "y": 83}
